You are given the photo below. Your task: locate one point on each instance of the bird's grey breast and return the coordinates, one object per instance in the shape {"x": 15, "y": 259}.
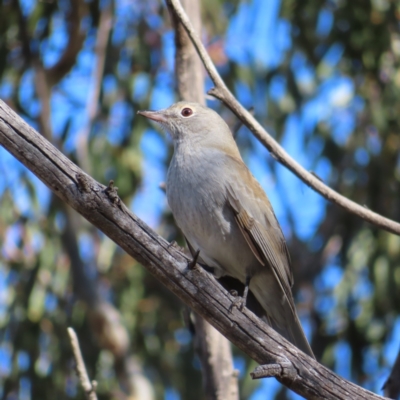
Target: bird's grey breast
{"x": 195, "y": 191}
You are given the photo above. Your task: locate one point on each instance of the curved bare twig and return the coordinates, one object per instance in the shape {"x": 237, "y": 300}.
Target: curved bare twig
{"x": 88, "y": 387}
{"x": 221, "y": 92}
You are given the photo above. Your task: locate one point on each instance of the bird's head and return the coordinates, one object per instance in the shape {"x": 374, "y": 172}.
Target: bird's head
{"x": 187, "y": 121}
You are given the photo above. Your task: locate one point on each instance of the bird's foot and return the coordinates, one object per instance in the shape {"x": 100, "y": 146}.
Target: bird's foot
{"x": 192, "y": 264}
{"x": 238, "y": 302}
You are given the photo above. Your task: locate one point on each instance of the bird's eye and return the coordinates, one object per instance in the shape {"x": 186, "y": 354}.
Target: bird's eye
{"x": 187, "y": 112}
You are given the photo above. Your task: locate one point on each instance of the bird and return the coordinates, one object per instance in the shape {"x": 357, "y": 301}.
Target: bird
{"x": 225, "y": 215}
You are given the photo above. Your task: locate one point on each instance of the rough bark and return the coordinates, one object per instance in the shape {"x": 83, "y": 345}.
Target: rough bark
{"x": 102, "y": 207}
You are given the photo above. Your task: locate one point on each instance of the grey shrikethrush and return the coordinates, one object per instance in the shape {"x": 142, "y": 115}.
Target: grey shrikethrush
{"x": 224, "y": 213}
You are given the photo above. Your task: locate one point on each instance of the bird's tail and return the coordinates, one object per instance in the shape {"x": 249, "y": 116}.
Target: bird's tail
{"x": 280, "y": 311}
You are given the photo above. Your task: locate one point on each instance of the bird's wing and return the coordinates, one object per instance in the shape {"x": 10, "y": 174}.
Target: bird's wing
{"x": 257, "y": 222}
{"x": 264, "y": 238}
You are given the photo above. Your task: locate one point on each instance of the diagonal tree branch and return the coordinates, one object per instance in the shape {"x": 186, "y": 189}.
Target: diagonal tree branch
{"x": 221, "y": 92}
{"x": 102, "y": 207}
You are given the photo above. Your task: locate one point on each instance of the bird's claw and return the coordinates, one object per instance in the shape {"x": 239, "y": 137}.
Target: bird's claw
{"x": 192, "y": 264}
{"x": 238, "y": 302}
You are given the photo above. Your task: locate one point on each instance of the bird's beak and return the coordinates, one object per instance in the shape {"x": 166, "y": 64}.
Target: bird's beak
{"x": 157, "y": 116}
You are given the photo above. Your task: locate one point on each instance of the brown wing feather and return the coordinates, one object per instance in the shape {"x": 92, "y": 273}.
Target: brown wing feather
{"x": 270, "y": 222}
{"x": 245, "y": 223}
{"x": 263, "y": 243}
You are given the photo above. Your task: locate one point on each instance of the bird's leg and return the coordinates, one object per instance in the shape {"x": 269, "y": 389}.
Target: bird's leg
{"x": 192, "y": 264}
{"x": 240, "y": 302}
{"x": 245, "y": 292}
{"x": 236, "y": 300}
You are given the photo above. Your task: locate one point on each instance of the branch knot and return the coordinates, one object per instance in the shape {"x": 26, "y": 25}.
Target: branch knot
{"x": 83, "y": 182}
{"x": 283, "y": 370}
{"x": 112, "y": 193}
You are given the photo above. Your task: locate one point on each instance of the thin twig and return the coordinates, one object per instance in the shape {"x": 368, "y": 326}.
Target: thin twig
{"x": 88, "y": 387}
{"x": 239, "y": 124}
{"x": 221, "y": 92}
